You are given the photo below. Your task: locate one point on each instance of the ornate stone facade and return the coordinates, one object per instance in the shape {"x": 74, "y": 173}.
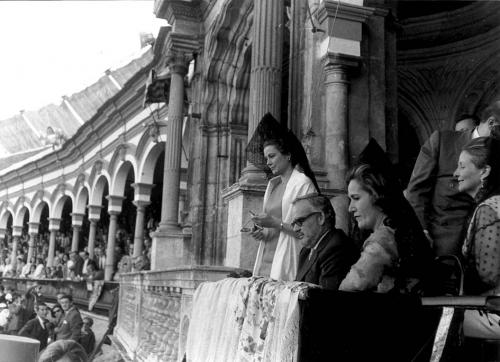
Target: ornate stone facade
{"x": 344, "y": 71}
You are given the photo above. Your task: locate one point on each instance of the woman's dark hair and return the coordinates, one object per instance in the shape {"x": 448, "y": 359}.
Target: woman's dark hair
{"x": 485, "y": 151}
{"x": 413, "y": 247}
{"x": 63, "y": 348}
{"x": 374, "y": 183}
{"x": 270, "y": 132}
{"x": 298, "y": 158}
{"x": 281, "y": 145}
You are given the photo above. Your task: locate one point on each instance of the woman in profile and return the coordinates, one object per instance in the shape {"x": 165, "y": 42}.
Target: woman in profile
{"x": 396, "y": 254}
{"x": 478, "y": 174}
{"x": 279, "y": 249}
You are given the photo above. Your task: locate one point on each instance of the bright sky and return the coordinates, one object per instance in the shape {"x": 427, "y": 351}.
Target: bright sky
{"x": 54, "y": 48}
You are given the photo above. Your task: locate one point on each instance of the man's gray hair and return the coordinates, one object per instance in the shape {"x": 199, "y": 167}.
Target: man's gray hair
{"x": 320, "y": 203}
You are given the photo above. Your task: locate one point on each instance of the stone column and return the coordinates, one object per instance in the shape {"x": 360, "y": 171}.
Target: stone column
{"x": 114, "y": 209}
{"x": 168, "y": 242}
{"x": 33, "y": 232}
{"x": 76, "y": 238}
{"x": 92, "y": 232}
{"x": 77, "y": 221}
{"x": 54, "y": 224}
{"x": 267, "y": 59}
{"x": 337, "y": 136}
{"x": 139, "y": 227}
{"x": 341, "y": 52}
{"x": 16, "y": 235}
{"x": 265, "y": 73}
{"x": 178, "y": 66}
{"x": 94, "y": 217}
{"x": 265, "y": 96}
{"x": 142, "y": 195}
{"x": 110, "y": 248}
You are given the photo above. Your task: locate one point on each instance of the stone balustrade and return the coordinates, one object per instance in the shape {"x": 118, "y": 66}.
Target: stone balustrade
{"x": 154, "y": 311}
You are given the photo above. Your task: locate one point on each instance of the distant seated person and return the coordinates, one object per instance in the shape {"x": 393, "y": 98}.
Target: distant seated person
{"x": 93, "y": 273}
{"x": 87, "y": 339}
{"x": 40, "y": 269}
{"x": 396, "y": 255}
{"x": 37, "y": 327}
{"x": 124, "y": 266}
{"x": 327, "y": 253}
{"x": 141, "y": 262}
{"x": 57, "y": 272}
{"x": 63, "y": 351}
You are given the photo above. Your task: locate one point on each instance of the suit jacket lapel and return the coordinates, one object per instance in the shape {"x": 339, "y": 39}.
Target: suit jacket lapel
{"x": 307, "y": 262}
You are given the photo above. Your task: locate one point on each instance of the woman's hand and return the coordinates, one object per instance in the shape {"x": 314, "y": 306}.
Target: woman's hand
{"x": 266, "y": 221}
{"x": 258, "y": 234}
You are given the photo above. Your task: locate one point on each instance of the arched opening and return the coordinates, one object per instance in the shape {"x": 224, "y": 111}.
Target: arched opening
{"x": 7, "y": 241}
{"x": 126, "y": 219}
{"x": 153, "y": 210}
{"x": 63, "y": 239}
{"x": 24, "y": 241}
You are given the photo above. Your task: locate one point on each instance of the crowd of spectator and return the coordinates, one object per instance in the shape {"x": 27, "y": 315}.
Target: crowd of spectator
{"x": 72, "y": 265}
{"x": 29, "y": 315}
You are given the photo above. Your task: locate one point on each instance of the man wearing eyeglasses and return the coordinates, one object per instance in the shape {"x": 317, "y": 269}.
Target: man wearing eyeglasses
{"x": 327, "y": 253}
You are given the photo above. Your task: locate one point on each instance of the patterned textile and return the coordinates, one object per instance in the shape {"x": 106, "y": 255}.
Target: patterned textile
{"x": 255, "y": 319}
{"x": 376, "y": 266}
{"x": 481, "y": 247}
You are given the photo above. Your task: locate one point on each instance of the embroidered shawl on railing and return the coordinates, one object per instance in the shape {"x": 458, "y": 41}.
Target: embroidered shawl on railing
{"x": 254, "y": 319}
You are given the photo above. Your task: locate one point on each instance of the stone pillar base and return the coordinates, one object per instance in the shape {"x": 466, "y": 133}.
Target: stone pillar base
{"x": 241, "y": 248}
{"x": 170, "y": 249}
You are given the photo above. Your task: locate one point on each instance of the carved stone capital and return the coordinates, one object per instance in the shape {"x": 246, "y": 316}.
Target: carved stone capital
{"x": 178, "y": 62}
{"x": 77, "y": 218}
{"x": 338, "y": 67}
{"x": 33, "y": 227}
{"x": 174, "y": 10}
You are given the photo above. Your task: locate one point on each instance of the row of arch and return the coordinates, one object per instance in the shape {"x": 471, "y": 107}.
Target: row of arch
{"x": 124, "y": 184}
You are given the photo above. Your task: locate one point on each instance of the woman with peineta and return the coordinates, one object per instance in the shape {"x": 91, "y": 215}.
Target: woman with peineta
{"x": 275, "y": 147}
{"x": 396, "y": 254}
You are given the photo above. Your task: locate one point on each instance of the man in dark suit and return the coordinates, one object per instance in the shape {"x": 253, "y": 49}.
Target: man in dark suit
{"x": 433, "y": 191}
{"x": 78, "y": 263}
{"x": 71, "y": 324}
{"x": 37, "y": 328}
{"x": 327, "y": 253}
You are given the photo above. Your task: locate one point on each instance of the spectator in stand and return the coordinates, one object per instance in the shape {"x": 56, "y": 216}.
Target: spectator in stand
{"x": 8, "y": 272}
{"x": 100, "y": 258}
{"x": 2, "y": 294}
{"x": 78, "y": 263}
{"x": 32, "y": 272}
{"x": 58, "y": 259}
{"x": 58, "y": 272}
{"x": 57, "y": 316}
{"x": 26, "y": 270}
{"x": 2, "y": 266}
{"x": 71, "y": 324}
{"x": 37, "y": 327}
{"x": 147, "y": 248}
{"x": 88, "y": 337}
{"x": 63, "y": 351}
{"x": 16, "y": 314}
{"x": 20, "y": 265}
{"x": 94, "y": 273}
{"x": 40, "y": 269}
{"x": 86, "y": 258}
{"x": 32, "y": 297}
